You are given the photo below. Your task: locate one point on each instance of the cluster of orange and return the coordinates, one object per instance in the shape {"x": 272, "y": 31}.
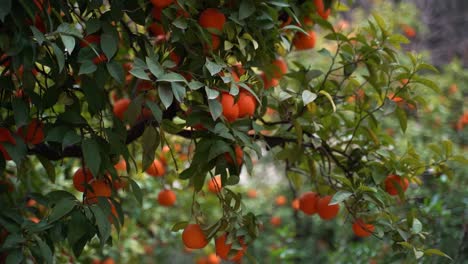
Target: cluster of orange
{"x": 33, "y": 133}
{"x": 462, "y": 121}
{"x": 193, "y": 237}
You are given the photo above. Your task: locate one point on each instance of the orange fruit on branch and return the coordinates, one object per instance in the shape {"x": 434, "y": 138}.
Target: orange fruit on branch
{"x": 120, "y": 107}
{"x": 230, "y": 109}
{"x": 5, "y": 136}
{"x": 303, "y": 41}
{"x": 308, "y": 203}
{"x": 392, "y": 181}
{"x": 215, "y": 185}
{"x": 80, "y": 178}
{"x": 167, "y": 198}
{"x": 99, "y": 188}
{"x": 247, "y": 104}
{"x": 212, "y": 18}
{"x": 193, "y": 237}
{"x": 362, "y": 229}
{"x": 279, "y": 68}
{"x": 325, "y": 210}
{"x": 239, "y": 155}
{"x": 156, "y": 169}
{"x": 222, "y": 249}
{"x": 34, "y": 133}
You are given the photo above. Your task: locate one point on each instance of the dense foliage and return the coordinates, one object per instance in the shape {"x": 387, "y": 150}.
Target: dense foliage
{"x": 115, "y": 115}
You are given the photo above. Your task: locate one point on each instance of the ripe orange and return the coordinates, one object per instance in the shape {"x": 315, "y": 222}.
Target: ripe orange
{"x": 222, "y": 249}
{"x": 5, "y": 136}
{"x": 215, "y": 185}
{"x": 161, "y": 3}
{"x": 120, "y": 106}
{"x": 120, "y": 183}
{"x": 80, "y": 178}
{"x": 279, "y": 68}
{"x": 90, "y": 39}
{"x": 295, "y": 204}
{"x": 215, "y": 43}
{"x": 121, "y": 165}
{"x": 156, "y": 13}
{"x": 110, "y": 260}
{"x": 157, "y": 30}
{"x": 308, "y": 203}
{"x": 99, "y": 188}
{"x": 303, "y": 41}
{"x": 362, "y": 229}
{"x": 409, "y": 31}
{"x": 320, "y": 7}
{"x": 326, "y": 211}
{"x": 281, "y": 200}
{"x": 392, "y": 181}
{"x": 156, "y": 169}
{"x": 193, "y": 237}
{"x": 268, "y": 82}
{"x": 239, "y": 155}
{"x": 230, "y": 109}
{"x": 252, "y": 193}
{"x": 212, "y": 259}
{"x": 212, "y": 18}
{"x": 275, "y": 221}
{"x": 34, "y": 133}
{"x": 247, "y": 104}
{"x": 166, "y": 198}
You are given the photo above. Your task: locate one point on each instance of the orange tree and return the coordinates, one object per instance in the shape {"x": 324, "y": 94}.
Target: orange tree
{"x": 93, "y": 88}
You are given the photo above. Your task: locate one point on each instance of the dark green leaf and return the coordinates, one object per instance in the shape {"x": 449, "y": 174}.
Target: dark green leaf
{"x": 166, "y": 96}
{"x": 171, "y": 77}
{"x": 68, "y": 42}
{"x": 62, "y": 208}
{"x": 155, "y": 68}
{"x": 216, "y": 109}
{"x": 45, "y": 250}
{"x": 154, "y": 107}
{"x": 340, "y": 196}
{"x": 102, "y": 223}
{"x": 213, "y": 67}
{"x": 60, "y": 57}
{"x": 247, "y": 8}
{"x": 109, "y": 44}
{"x": 136, "y": 191}
{"x": 115, "y": 69}
{"x": 178, "y": 91}
{"x": 91, "y": 155}
{"x": 15, "y": 257}
{"x": 149, "y": 141}
{"x": 39, "y": 36}
{"x": 20, "y": 112}
{"x": 5, "y": 8}
{"x": 179, "y": 226}
{"x": 87, "y": 67}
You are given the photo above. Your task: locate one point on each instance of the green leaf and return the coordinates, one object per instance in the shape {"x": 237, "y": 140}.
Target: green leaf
{"x": 179, "y": 226}
{"x": 70, "y": 138}
{"x": 340, "y": 196}
{"x": 329, "y": 97}
{"x": 5, "y": 8}
{"x": 246, "y": 9}
{"x": 40, "y": 38}
{"x": 59, "y": 56}
{"x": 48, "y": 166}
{"x": 92, "y": 155}
{"x": 216, "y": 109}
{"x": 87, "y": 67}
{"x": 211, "y": 93}
{"x": 136, "y": 191}
{"x": 178, "y": 91}
{"x": 180, "y": 22}
{"x": 425, "y": 66}
{"x": 14, "y": 256}
{"x": 102, "y": 222}
{"x": 62, "y": 208}
{"x": 417, "y": 226}
{"x": 155, "y": 68}
{"x": 171, "y": 77}
{"x": 109, "y": 44}
{"x": 45, "y": 250}
{"x": 213, "y": 67}
{"x": 195, "y": 85}
{"x": 13, "y": 241}
{"x": 68, "y": 42}
{"x": 308, "y": 97}
{"x": 426, "y": 82}
{"x": 140, "y": 73}
{"x": 154, "y": 107}
{"x": 402, "y": 118}
{"x": 434, "y": 251}
{"x": 115, "y": 69}
{"x": 20, "y": 112}
{"x": 166, "y": 96}
{"x": 150, "y": 142}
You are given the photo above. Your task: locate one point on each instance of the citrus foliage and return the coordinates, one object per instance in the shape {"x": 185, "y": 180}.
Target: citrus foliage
{"x": 92, "y": 90}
